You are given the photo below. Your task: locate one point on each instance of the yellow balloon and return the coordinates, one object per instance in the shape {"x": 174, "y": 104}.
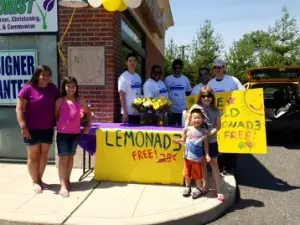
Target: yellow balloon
{"x": 112, "y": 5}
{"x": 123, "y": 6}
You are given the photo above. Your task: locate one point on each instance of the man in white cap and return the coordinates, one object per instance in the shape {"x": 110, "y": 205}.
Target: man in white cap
{"x": 224, "y": 83}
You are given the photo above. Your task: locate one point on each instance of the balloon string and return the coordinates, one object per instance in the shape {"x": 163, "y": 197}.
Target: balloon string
{"x": 60, "y": 43}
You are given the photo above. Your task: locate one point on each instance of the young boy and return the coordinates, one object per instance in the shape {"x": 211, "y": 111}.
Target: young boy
{"x": 195, "y": 140}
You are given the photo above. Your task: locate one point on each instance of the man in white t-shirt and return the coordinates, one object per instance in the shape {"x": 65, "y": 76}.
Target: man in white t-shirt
{"x": 179, "y": 87}
{"x": 154, "y": 87}
{"x": 224, "y": 83}
{"x": 130, "y": 88}
{"x": 205, "y": 77}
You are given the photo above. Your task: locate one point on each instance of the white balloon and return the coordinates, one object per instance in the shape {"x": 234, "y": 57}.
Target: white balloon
{"x": 133, "y": 3}
{"x": 95, "y": 3}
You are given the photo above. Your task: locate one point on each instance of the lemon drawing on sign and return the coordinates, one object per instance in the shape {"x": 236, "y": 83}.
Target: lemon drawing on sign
{"x": 254, "y": 101}
{"x": 248, "y": 144}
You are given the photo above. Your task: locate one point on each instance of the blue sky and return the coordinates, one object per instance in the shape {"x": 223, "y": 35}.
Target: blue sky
{"x": 230, "y": 18}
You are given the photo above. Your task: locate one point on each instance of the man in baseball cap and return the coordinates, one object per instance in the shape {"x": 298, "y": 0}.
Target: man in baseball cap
{"x": 224, "y": 83}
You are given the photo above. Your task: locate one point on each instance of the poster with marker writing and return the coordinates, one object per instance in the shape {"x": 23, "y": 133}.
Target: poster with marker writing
{"x": 139, "y": 155}
{"x": 243, "y": 128}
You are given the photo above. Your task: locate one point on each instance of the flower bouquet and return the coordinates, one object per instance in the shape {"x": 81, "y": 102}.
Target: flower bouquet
{"x": 161, "y": 105}
{"x": 153, "y": 110}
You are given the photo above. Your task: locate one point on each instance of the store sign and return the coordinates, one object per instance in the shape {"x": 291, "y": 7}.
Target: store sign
{"x": 16, "y": 68}
{"x": 28, "y": 16}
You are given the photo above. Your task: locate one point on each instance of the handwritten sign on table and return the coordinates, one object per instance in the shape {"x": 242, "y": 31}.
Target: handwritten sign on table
{"x": 144, "y": 156}
{"x": 242, "y": 122}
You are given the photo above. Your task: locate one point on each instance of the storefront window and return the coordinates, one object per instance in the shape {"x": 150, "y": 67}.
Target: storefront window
{"x": 140, "y": 61}
{"x": 133, "y": 40}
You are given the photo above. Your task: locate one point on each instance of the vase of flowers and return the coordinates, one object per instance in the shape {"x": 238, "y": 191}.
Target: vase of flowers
{"x": 161, "y": 105}
{"x": 152, "y": 110}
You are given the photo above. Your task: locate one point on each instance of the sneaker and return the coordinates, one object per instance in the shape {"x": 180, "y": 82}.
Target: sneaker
{"x": 187, "y": 192}
{"x": 221, "y": 197}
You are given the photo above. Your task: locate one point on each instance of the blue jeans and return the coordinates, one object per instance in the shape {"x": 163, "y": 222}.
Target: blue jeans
{"x": 67, "y": 144}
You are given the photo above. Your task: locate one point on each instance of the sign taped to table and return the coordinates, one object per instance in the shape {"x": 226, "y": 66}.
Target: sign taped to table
{"x": 30, "y": 16}
{"x": 242, "y": 123}
{"x": 144, "y": 156}
{"x": 16, "y": 69}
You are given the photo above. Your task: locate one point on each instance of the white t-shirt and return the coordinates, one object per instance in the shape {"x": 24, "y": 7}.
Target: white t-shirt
{"x": 131, "y": 84}
{"x": 163, "y": 91}
{"x": 151, "y": 88}
{"x": 229, "y": 83}
{"x": 177, "y": 87}
{"x": 196, "y": 90}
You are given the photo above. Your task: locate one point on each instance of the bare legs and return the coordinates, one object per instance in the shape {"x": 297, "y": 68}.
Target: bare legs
{"x": 215, "y": 173}
{"x": 64, "y": 170}
{"x": 37, "y": 158}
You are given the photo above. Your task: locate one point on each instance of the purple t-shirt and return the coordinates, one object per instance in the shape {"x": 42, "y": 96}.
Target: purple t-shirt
{"x": 39, "y": 111}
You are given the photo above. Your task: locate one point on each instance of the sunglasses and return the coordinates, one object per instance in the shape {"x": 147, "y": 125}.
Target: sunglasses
{"x": 208, "y": 96}
{"x": 177, "y": 67}
{"x": 217, "y": 67}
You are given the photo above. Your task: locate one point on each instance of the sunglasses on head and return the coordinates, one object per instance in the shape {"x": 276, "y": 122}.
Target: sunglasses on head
{"x": 208, "y": 96}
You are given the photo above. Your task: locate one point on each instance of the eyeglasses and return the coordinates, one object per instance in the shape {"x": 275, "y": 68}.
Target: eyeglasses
{"x": 208, "y": 96}
{"x": 217, "y": 67}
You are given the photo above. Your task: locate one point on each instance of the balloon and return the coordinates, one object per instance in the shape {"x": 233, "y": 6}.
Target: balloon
{"x": 133, "y": 3}
{"x": 112, "y": 5}
{"x": 123, "y": 6}
{"x": 95, "y": 3}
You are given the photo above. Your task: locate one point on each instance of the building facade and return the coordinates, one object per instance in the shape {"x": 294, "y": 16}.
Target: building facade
{"x": 141, "y": 31}
{"x": 92, "y": 47}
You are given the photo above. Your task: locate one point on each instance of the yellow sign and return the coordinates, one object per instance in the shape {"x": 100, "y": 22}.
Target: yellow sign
{"x": 242, "y": 122}
{"x": 144, "y": 156}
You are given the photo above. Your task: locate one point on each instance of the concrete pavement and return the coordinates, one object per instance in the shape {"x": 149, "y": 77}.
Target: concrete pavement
{"x": 93, "y": 202}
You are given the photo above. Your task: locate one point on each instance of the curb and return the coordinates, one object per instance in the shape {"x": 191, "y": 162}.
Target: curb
{"x": 192, "y": 215}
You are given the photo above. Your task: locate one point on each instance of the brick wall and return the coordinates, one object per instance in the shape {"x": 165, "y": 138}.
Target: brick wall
{"x": 96, "y": 27}
{"x": 153, "y": 56}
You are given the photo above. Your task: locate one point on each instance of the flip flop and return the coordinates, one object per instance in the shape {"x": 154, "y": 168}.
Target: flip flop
{"x": 64, "y": 193}
{"x": 45, "y": 186}
{"x": 37, "y": 188}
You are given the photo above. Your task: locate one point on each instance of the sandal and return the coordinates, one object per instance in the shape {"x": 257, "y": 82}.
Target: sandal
{"x": 64, "y": 193}
{"x": 187, "y": 192}
{"x": 221, "y": 197}
{"x": 37, "y": 188}
{"x": 199, "y": 192}
{"x": 45, "y": 186}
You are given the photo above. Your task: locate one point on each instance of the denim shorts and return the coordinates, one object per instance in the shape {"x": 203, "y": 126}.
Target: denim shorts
{"x": 67, "y": 144}
{"x": 42, "y": 136}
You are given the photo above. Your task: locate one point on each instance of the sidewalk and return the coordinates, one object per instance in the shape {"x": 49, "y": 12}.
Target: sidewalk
{"x": 93, "y": 202}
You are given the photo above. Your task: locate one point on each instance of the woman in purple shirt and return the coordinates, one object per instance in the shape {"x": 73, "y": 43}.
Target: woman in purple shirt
{"x": 35, "y": 114}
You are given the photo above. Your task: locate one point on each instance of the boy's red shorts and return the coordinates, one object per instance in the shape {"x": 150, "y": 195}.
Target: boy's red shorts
{"x": 192, "y": 170}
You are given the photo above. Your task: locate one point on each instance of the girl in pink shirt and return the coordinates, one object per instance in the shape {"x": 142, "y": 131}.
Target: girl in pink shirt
{"x": 67, "y": 113}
